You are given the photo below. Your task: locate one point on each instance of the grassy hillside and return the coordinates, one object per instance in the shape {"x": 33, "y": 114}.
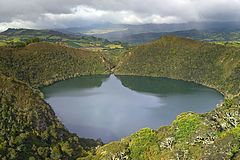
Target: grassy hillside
{"x": 19, "y": 38}
{"x": 217, "y": 66}
{"x": 11, "y": 36}
{"x": 30, "y": 129}
{"x": 213, "y": 135}
{"x": 44, "y": 63}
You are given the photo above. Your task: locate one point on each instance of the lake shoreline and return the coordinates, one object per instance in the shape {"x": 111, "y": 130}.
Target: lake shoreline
{"x": 181, "y": 86}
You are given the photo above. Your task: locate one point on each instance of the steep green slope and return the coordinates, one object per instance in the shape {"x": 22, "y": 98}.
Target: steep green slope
{"x": 213, "y": 135}
{"x": 30, "y": 129}
{"x": 44, "y": 63}
{"x": 213, "y": 65}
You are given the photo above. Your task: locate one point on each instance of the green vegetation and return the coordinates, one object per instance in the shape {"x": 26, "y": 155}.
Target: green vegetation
{"x": 191, "y": 136}
{"x": 20, "y": 37}
{"x": 187, "y": 125}
{"x": 44, "y": 63}
{"x": 213, "y": 65}
{"x": 3, "y": 44}
{"x": 30, "y": 129}
{"x": 141, "y": 141}
{"x": 228, "y": 43}
{"x": 213, "y": 135}
{"x": 225, "y": 36}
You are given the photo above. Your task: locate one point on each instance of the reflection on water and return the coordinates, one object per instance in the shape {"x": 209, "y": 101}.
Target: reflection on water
{"x": 103, "y": 107}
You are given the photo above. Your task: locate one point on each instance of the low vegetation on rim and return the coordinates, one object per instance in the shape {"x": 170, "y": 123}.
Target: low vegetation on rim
{"x": 32, "y": 131}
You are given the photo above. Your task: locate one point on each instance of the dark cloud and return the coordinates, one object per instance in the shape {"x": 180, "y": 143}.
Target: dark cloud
{"x": 65, "y": 13}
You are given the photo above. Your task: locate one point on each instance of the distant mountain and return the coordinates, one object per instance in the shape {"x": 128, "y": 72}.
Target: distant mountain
{"x": 69, "y": 39}
{"x": 130, "y": 33}
{"x": 30, "y": 32}
{"x": 89, "y": 28}
{"x": 202, "y": 35}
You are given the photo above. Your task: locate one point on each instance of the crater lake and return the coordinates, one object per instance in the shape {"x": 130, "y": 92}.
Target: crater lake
{"x": 110, "y": 107}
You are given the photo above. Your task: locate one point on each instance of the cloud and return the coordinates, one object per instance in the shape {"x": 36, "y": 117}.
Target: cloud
{"x": 85, "y": 13}
{"x": 17, "y": 24}
{"x": 66, "y": 13}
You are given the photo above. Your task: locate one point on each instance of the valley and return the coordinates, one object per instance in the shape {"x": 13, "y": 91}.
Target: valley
{"x": 32, "y": 130}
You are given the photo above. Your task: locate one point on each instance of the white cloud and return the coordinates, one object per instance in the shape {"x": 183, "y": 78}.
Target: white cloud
{"x": 85, "y": 13}
{"x": 16, "y": 24}
{"x": 72, "y": 13}
{"x": 79, "y": 12}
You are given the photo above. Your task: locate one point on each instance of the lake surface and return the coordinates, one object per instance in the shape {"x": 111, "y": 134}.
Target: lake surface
{"x": 110, "y": 107}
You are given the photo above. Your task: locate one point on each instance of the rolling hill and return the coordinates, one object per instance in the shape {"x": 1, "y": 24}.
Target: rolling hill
{"x": 202, "y": 35}
{"x": 43, "y": 63}
{"x": 213, "y": 135}
{"x": 135, "y": 34}
{"x": 12, "y": 36}
{"x": 31, "y": 129}
{"x": 214, "y": 65}
{"x": 121, "y": 32}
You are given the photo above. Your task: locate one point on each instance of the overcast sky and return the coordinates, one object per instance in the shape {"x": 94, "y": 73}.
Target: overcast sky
{"x": 74, "y": 13}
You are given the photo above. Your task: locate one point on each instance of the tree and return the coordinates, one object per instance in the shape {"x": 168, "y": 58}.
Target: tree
{"x": 65, "y": 146}
{"x": 32, "y": 40}
{"x": 56, "y": 153}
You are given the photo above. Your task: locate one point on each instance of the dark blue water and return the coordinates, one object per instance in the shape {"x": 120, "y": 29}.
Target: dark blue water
{"x": 110, "y": 107}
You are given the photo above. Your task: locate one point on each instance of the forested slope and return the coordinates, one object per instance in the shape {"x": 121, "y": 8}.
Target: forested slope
{"x": 29, "y": 127}
{"x": 210, "y": 136}
{"x": 213, "y": 65}
{"x": 44, "y": 63}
